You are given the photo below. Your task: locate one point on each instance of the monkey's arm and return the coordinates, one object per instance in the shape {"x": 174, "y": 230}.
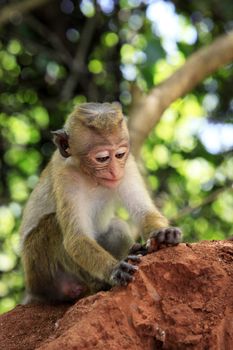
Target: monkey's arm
{"x": 138, "y": 202}
{"x": 89, "y": 255}
{"x": 79, "y": 241}
{"x": 98, "y": 262}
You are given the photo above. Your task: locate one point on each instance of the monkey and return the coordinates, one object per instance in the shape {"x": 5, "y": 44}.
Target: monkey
{"x": 73, "y": 245}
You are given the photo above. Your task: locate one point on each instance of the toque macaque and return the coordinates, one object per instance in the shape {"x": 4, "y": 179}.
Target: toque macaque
{"x": 72, "y": 245}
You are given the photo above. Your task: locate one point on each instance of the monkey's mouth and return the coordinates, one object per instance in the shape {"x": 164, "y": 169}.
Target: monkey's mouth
{"x": 110, "y": 182}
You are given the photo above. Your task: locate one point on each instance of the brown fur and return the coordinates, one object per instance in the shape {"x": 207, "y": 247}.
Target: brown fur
{"x": 45, "y": 276}
{"x": 95, "y": 122}
{"x": 153, "y": 221}
{"x": 71, "y": 243}
{"x": 104, "y": 117}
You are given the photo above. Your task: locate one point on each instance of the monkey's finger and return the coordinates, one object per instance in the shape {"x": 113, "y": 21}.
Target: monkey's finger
{"x": 136, "y": 247}
{"x": 173, "y": 236}
{"x": 124, "y": 266}
{"x": 135, "y": 258}
{"x": 115, "y": 277}
{"x": 125, "y": 279}
{"x": 160, "y": 236}
{"x": 170, "y": 235}
{"x": 122, "y": 274}
{"x": 121, "y": 278}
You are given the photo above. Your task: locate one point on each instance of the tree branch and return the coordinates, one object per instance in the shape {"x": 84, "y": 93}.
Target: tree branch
{"x": 147, "y": 112}
{"x": 51, "y": 37}
{"x": 209, "y": 199}
{"x": 16, "y": 8}
{"x": 78, "y": 64}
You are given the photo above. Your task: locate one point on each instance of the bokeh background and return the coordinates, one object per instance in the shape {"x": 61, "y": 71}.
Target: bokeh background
{"x": 55, "y": 54}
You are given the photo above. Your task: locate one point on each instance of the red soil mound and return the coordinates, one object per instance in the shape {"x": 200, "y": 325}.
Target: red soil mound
{"x": 182, "y": 298}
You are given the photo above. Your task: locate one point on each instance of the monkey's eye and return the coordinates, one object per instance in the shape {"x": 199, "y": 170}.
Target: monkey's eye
{"x": 121, "y": 152}
{"x": 120, "y": 155}
{"x": 102, "y": 159}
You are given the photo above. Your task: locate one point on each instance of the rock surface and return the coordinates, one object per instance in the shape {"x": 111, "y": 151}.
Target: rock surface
{"x": 182, "y": 298}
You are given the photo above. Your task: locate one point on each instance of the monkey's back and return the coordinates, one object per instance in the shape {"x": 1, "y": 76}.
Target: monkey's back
{"x": 41, "y": 203}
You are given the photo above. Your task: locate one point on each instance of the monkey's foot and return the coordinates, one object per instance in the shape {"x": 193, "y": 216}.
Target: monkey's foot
{"x": 163, "y": 237}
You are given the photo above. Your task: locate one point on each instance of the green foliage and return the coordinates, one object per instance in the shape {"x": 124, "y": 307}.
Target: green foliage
{"x": 192, "y": 177}
{"x": 115, "y": 45}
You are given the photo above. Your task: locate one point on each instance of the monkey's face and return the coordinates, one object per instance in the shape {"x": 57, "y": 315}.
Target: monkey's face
{"x": 105, "y": 161}
{"x": 100, "y": 143}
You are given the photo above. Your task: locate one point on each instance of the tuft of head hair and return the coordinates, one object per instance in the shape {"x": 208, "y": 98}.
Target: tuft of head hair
{"x": 99, "y": 116}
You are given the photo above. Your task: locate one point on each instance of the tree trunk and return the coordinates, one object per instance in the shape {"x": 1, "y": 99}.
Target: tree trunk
{"x": 147, "y": 110}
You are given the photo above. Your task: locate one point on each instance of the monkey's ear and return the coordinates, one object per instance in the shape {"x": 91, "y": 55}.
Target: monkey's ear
{"x": 61, "y": 140}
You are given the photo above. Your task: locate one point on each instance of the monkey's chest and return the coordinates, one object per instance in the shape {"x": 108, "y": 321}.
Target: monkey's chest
{"x": 101, "y": 212}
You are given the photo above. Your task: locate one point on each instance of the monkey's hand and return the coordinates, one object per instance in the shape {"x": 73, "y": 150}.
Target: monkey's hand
{"x": 163, "y": 237}
{"x": 138, "y": 249}
{"x": 122, "y": 272}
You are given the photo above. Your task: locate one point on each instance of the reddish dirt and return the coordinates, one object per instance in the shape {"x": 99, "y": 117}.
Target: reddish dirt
{"x": 182, "y": 298}
{"x": 26, "y": 327}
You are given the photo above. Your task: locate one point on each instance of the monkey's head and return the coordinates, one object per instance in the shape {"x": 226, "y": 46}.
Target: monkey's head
{"x": 97, "y": 136}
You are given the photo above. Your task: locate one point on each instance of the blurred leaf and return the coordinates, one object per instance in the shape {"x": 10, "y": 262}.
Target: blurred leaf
{"x": 18, "y": 188}
{"x": 95, "y": 66}
{"x": 223, "y": 206}
{"x": 7, "y": 261}
{"x": 7, "y": 221}
{"x": 41, "y": 116}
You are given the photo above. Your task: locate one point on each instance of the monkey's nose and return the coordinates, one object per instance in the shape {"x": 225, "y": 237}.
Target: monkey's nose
{"x": 115, "y": 174}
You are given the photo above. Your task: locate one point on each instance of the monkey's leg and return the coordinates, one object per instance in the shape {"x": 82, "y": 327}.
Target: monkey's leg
{"x": 117, "y": 240}
{"x": 45, "y": 265}
{"x": 90, "y": 284}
